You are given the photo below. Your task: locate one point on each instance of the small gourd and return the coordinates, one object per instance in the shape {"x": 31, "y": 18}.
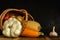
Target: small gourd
{"x": 53, "y": 33}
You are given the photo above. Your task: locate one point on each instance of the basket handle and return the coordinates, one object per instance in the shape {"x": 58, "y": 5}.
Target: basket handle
{"x": 27, "y": 14}
{"x": 21, "y": 10}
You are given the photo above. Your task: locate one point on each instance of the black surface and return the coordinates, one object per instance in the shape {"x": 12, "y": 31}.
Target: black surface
{"x": 47, "y": 13}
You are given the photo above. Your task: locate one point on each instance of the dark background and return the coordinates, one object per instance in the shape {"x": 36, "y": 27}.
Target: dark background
{"x": 47, "y": 13}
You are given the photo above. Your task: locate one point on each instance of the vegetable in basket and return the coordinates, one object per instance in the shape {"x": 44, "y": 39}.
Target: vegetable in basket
{"x": 12, "y": 28}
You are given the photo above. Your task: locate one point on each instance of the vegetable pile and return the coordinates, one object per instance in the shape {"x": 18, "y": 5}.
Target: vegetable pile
{"x": 15, "y": 25}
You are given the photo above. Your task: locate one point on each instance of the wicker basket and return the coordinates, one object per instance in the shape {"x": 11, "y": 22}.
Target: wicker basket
{"x": 23, "y": 11}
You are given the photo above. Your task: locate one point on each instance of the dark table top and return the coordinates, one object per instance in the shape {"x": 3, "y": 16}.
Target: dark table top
{"x": 29, "y": 38}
